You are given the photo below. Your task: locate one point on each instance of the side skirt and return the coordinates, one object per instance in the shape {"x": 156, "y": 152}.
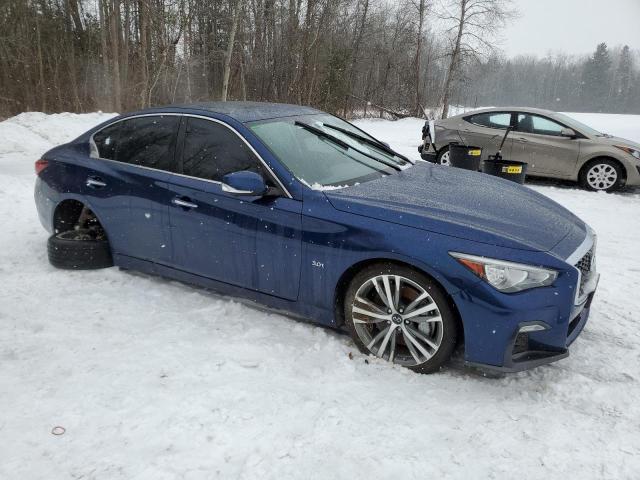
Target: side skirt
{"x": 260, "y": 301}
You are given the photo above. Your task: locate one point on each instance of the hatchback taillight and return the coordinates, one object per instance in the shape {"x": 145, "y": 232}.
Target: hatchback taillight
{"x": 41, "y": 165}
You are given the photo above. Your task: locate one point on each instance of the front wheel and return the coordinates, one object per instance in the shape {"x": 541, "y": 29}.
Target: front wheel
{"x": 401, "y": 316}
{"x": 444, "y": 157}
{"x": 602, "y": 174}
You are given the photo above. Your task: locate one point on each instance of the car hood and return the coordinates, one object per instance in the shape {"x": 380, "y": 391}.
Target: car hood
{"x": 463, "y": 204}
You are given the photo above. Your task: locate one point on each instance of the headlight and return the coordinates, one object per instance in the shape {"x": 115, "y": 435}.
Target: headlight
{"x": 631, "y": 151}
{"x": 508, "y": 277}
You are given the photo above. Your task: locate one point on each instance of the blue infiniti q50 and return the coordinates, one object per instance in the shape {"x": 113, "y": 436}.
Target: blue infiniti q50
{"x": 305, "y": 213}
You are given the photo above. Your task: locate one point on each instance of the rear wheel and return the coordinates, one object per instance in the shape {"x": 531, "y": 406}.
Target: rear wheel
{"x": 602, "y": 174}
{"x": 401, "y": 316}
{"x": 444, "y": 157}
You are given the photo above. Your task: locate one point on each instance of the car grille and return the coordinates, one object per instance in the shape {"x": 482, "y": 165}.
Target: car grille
{"x": 585, "y": 265}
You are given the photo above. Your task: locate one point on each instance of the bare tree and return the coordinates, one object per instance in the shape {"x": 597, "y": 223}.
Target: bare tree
{"x": 353, "y": 57}
{"x": 421, "y": 9}
{"x": 236, "y": 9}
{"x": 474, "y": 24}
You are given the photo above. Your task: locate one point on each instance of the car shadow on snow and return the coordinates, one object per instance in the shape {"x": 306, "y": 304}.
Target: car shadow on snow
{"x": 454, "y": 367}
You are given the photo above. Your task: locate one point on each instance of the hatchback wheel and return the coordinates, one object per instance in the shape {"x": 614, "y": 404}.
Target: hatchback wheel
{"x": 402, "y": 316}
{"x": 444, "y": 157}
{"x": 602, "y": 174}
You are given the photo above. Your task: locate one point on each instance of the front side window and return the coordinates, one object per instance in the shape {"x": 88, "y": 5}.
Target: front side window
{"x": 535, "y": 124}
{"x": 317, "y": 160}
{"x": 492, "y": 120}
{"x": 146, "y": 141}
{"x": 212, "y": 150}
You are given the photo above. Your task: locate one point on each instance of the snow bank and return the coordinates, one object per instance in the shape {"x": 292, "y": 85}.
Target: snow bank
{"x": 153, "y": 379}
{"x": 25, "y": 137}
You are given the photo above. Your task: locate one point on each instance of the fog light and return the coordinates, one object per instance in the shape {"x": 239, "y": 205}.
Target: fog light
{"x": 536, "y": 327}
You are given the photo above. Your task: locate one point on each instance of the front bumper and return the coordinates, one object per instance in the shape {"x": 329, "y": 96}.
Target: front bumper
{"x": 523, "y": 352}
{"x": 515, "y": 332}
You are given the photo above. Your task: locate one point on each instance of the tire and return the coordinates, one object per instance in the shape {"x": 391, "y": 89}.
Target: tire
{"x": 435, "y": 330}
{"x": 78, "y": 250}
{"x": 443, "y": 157}
{"x": 602, "y": 174}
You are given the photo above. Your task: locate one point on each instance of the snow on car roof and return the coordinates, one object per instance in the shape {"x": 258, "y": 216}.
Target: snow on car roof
{"x": 247, "y": 111}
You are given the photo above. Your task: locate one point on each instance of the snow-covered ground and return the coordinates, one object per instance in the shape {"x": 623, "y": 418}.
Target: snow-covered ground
{"x": 153, "y": 379}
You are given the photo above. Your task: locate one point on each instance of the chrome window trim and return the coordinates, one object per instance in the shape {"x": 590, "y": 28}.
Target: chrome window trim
{"x": 93, "y": 149}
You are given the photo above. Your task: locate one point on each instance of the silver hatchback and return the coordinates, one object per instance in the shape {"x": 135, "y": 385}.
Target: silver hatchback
{"x": 552, "y": 144}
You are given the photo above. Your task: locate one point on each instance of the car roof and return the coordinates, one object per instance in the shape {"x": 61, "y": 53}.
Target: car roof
{"x": 541, "y": 111}
{"x": 244, "y": 111}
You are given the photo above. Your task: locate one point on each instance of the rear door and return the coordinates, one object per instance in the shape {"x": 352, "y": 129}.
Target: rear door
{"x": 140, "y": 153}
{"x": 538, "y": 141}
{"x": 249, "y": 242}
{"x": 486, "y": 130}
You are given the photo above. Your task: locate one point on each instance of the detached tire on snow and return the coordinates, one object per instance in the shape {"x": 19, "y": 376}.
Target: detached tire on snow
{"x": 78, "y": 250}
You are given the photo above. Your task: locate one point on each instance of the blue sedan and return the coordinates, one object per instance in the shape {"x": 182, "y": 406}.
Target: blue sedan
{"x": 303, "y": 212}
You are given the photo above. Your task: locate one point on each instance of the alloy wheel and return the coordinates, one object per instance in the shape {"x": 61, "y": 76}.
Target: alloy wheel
{"x": 444, "y": 159}
{"x": 602, "y": 176}
{"x": 397, "y": 320}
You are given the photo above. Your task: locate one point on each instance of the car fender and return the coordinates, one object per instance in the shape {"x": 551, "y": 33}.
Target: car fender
{"x": 588, "y": 154}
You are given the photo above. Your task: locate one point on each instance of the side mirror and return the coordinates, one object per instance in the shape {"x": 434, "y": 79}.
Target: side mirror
{"x": 568, "y": 132}
{"x": 245, "y": 183}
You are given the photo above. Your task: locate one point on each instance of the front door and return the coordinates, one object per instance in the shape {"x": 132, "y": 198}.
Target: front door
{"x": 249, "y": 242}
{"x": 539, "y": 142}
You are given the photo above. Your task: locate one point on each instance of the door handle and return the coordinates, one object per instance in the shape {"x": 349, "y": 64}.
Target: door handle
{"x": 183, "y": 203}
{"x": 94, "y": 182}
{"x": 523, "y": 140}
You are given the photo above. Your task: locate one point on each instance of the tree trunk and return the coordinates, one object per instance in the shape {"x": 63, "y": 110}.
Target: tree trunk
{"x": 421, "y": 10}
{"x": 451, "y": 71}
{"x": 115, "y": 48}
{"x": 228, "y": 54}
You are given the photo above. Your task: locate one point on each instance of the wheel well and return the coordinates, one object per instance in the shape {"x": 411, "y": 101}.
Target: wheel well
{"x": 351, "y": 272}
{"x": 611, "y": 159}
{"x": 70, "y": 214}
{"x": 66, "y": 215}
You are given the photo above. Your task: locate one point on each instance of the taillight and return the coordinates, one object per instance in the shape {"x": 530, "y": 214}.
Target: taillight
{"x": 41, "y": 165}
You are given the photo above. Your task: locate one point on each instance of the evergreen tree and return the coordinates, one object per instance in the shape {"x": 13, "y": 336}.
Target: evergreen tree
{"x": 595, "y": 79}
{"x": 622, "y": 80}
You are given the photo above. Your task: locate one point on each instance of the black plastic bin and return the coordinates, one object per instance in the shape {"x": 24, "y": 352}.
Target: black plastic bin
{"x": 465, "y": 156}
{"x": 507, "y": 169}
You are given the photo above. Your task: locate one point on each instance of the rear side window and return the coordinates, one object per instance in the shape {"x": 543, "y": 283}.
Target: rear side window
{"x": 212, "y": 150}
{"x": 105, "y": 142}
{"x": 145, "y": 141}
{"x": 539, "y": 125}
{"x": 491, "y": 119}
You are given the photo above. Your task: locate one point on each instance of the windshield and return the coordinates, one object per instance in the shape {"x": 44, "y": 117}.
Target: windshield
{"x": 572, "y": 122}
{"x": 324, "y": 157}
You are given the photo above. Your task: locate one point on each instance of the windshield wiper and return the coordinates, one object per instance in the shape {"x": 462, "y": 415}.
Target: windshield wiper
{"x": 368, "y": 141}
{"x": 322, "y": 134}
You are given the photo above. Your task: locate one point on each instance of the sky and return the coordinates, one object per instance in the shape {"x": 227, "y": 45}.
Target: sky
{"x": 572, "y": 26}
